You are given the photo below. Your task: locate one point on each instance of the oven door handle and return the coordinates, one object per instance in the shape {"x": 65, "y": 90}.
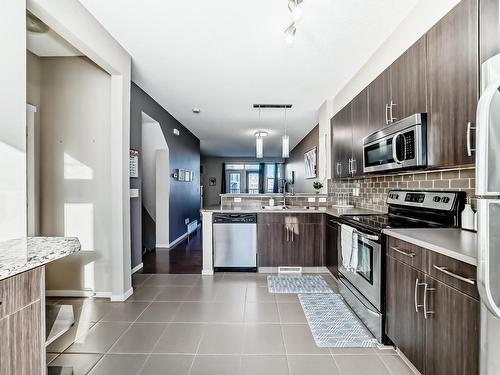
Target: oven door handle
{"x": 394, "y": 148}
{"x": 367, "y": 236}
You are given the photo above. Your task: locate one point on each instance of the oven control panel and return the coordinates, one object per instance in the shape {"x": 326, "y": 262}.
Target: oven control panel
{"x": 437, "y": 200}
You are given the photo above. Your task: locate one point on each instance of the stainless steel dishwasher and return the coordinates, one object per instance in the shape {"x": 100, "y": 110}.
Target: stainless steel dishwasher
{"x": 235, "y": 242}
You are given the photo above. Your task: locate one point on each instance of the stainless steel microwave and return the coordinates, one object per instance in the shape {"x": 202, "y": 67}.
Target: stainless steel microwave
{"x": 401, "y": 145}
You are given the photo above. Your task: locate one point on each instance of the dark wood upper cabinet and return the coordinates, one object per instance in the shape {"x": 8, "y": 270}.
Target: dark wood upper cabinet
{"x": 404, "y": 325}
{"x": 342, "y": 142}
{"x": 409, "y": 81}
{"x": 360, "y": 129}
{"x": 452, "y": 331}
{"x": 379, "y": 94}
{"x": 452, "y": 66}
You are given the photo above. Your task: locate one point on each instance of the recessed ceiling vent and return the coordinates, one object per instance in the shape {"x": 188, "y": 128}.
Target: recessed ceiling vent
{"x": 273, "y": 106}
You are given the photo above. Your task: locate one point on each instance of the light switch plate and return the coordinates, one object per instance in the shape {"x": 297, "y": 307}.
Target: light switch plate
{"x": 322, "y": 200}
{"x": 237, "y": 200}
{"x": 311, "y": 200}
{"x": 134, "y": 193}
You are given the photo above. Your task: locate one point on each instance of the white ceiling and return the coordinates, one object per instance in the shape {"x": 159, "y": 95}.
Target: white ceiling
{"x": 224, "y": 55}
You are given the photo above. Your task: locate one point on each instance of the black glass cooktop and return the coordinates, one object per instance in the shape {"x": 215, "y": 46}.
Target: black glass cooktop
{"x": 379, "y": 222}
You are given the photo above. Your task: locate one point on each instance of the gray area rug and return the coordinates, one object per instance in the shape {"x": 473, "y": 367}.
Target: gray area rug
{"x": 333, "y": 324}
{"x": 297, "y": 284}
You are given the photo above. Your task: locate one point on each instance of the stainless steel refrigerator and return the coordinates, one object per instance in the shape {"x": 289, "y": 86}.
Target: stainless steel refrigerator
{"x": 488, "y": 204}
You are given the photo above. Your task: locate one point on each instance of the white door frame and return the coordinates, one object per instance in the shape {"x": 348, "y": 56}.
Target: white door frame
{"x": 31, "y": 180}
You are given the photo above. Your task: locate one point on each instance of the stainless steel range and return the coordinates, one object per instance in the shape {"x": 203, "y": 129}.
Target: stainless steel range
{"x": 361, "y": 251}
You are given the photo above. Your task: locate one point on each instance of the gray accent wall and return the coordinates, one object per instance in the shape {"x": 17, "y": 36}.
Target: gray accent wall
{"x": 184, "y": 154}
{"x": 296, "y": 161}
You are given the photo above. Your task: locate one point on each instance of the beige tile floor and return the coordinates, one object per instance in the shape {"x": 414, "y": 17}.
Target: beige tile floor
{"x": 194, "y": 325}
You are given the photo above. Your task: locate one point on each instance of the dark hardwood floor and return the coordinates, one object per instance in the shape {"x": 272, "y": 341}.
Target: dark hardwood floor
{"x": 186, "y": 257}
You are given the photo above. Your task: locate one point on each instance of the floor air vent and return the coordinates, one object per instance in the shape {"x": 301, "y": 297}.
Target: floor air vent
{"x": 289, "y": 269}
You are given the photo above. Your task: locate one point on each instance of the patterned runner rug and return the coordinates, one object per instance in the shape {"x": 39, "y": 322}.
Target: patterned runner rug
{"x": 333, "y": 324}
{"x": 297, "y": 284}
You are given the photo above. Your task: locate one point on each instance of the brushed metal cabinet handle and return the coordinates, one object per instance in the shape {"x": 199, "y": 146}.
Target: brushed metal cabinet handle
{"x": 392, "y": 118}
{"x": 387, "y": 114}
{"x": 417, "y": 284}
{"x": 458, "y": 277}
{"x": 426, "y": 308}
{"x": 398, "y": 250}
{"x": 470, "y": 150}
{"x": 292, "y": 233}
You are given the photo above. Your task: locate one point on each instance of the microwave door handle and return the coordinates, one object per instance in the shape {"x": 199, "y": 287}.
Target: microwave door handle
{"x": 394, "y": 149}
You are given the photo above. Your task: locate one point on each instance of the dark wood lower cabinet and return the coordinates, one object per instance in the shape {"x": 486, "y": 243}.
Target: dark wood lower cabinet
{"x": 435, "y": 324}
{"x": 404, "y": 325}
{"x": 297, "y": 243}
{"x": 452, "y": 331}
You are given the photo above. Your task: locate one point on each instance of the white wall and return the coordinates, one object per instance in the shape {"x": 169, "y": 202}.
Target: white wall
{"x": 77, "y": 26}
{"x": 75, "y": 120}
{"x": 13, "y": 123}
{"x": 162, "y": 198}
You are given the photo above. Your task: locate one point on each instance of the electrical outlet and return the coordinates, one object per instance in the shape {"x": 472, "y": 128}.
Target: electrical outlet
{"x": 237, "y": 200}
{"x": 186, "y": 221}
{"x": 355, "y": 192}
{"x": 322, "y": 200}
{"x": 311, "y": 200}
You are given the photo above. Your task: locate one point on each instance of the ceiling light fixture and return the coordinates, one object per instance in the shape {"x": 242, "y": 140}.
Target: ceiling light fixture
{"x": 295, "y": 9}
{"x": 290, "y": 33}
{"x": 285, "y": 143}
{"x": 196, "y": 110}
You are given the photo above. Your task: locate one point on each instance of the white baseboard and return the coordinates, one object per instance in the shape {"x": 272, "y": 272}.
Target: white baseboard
{"x": 137, "y": 268}
{"x": 162, "y": 245}
{"x": 122, "y": 297}
{"x": 176, "y": 241}
{"x": 102, "y": 295}
{"x": 207, "y": 272}
{"x": 69, "y": 293}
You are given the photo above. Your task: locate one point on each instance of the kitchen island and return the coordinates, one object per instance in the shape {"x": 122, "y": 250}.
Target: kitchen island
{"x": 22, "y": 300}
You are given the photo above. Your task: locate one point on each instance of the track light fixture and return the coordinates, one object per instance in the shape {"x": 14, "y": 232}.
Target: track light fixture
{"x": 296, "y": 13}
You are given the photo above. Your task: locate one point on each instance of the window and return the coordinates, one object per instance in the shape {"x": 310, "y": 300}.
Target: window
{"x": 234, "y": 183}
{"x": 253, "y": 182}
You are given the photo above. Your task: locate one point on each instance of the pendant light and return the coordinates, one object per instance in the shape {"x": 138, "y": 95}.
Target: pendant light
{"x": 285, "y": 143}
{"x": 259, "y": 142}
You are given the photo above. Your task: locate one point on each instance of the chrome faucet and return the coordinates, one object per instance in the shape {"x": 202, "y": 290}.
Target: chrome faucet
{"x": 285, "y": 184}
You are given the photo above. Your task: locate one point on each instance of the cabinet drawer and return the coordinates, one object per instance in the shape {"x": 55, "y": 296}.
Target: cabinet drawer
{"x": 407, "y": 253}
{"x": 289, "y": 218}
{"x": 457, "y": 274}
{"x": 19, "y": 291}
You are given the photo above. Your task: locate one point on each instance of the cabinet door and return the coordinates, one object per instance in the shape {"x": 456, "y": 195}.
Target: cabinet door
{"x": 360, "y": 129}
{"x": 342, "y": 142}
{"x": 452, "y": 331}
{"x": 452, "y": 66}
{"x": 265, "y": 245}
{"x": 379, "y": 96}
{"x": 306, "y": 245}
{"x": 332, "y": 247}
{"x": 409, "y": 82}
{"x": 404, "y": 325}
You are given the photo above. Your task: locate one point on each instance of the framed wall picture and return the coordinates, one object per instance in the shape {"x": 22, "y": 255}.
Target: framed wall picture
{"x": 212, "y": 181}
{"x": 310, "y": 159}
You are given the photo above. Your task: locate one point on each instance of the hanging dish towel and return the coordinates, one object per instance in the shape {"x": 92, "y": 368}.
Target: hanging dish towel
{"x": 353, "y": 264}
{"x": 346, "y": 237}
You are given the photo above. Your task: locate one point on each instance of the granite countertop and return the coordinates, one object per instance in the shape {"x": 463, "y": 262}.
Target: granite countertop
{"x": 23, "y": 254}
{"x": 321, "y": 210}
{"x": 453, "y": 242}
{"x": 271, "y": 195}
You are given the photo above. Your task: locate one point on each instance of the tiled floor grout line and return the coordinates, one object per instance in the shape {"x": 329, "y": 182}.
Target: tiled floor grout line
{"x": 283, "y": 338}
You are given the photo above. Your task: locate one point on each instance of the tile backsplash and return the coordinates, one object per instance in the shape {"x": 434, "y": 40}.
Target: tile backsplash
{"x": 373, "y": 189}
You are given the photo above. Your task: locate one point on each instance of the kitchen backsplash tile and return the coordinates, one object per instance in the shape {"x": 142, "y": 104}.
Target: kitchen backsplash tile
{"x": 373, "y": 189}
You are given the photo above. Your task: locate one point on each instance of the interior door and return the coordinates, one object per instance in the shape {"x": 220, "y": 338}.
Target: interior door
{"x": 405, "y": 323}
{"x": 452, "y": 331}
